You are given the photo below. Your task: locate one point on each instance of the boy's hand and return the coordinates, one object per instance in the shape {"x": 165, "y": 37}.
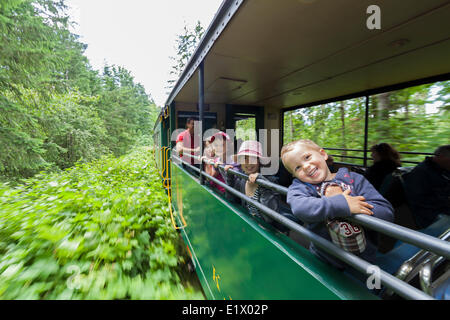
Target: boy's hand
{"x": 228, "y": 167}
{"x": 357, "y": 204}
{"x": 252, "y": 177}
{"x": 332, "y": 191}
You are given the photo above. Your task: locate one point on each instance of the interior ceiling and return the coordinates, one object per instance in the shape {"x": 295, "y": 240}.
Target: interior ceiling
{"x": 292, "y": 52}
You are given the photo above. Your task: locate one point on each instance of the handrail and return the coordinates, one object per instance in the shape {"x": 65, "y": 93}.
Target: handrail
{"x": 403, "y": 289}
{"x": 413, "y": 237}
{"x": 429, "y": 265}
{"x": 426, "y": 273}
{"x": 343, "y": 156}
{"x": 360, "y": 150}
{"x": 362, "y": 158}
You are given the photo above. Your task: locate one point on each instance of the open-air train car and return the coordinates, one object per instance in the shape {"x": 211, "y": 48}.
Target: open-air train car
{"x": 259, "y": 59}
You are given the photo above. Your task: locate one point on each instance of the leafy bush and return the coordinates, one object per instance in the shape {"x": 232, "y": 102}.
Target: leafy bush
{"x": 96, "y": 231}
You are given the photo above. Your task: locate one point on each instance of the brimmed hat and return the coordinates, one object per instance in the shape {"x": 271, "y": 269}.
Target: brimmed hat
{"x": 218, "y": 134}
{"x": 253, "y": 149}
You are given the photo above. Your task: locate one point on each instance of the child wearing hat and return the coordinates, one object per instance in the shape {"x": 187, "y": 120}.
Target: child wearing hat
{"x": 216, "y": 153}
{"x": 250, "y": 159}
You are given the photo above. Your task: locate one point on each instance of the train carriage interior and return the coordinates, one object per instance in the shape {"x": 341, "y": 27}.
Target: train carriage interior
{"x": 277, "y": 68}
{"x": 394, "y": 255}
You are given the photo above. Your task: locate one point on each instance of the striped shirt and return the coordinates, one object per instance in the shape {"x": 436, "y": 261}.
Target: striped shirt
{"x": 256, "y": 197}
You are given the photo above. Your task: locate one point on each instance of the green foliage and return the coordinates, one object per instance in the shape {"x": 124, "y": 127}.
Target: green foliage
{"x": 186, "y": 43}
{"x": 246, "y": 129}
{"x": 412, "y": 119}
{"x": 29, "y": 32}
{"x": 54, "y": 109}
{"x": 127, "y": 110}
{"x": 96, "y": 231}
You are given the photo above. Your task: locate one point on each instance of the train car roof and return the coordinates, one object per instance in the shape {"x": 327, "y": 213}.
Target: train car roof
{"x": 295, "y": 52}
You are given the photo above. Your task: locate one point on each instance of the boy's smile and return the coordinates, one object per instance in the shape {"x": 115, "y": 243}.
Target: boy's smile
{"x": 308, "y": 165}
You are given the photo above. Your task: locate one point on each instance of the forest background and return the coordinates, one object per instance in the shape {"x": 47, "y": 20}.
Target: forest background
{"x": 83, "y": 214}
{"x": 415, "y": 119}
{"x": 55, "y": 110}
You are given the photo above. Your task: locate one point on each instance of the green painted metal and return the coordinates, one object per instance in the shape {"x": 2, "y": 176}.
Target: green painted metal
{"x": 157, "y": 144}
{"x": 162, "y": 141}
{"x": 172, "y": 121}
{"x": 240, "y": 257}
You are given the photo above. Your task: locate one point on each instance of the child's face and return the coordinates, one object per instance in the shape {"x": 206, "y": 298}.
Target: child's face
{"x": 220, "y": 146}
{"x": 249, "y": 164}
{"x": 307, "y": 164}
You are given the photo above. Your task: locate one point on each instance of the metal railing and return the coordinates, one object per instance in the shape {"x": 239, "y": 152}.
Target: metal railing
{"x": 413, "y": 237}
{"x": 366, "y": 151}
{"x": 389, "y": 281}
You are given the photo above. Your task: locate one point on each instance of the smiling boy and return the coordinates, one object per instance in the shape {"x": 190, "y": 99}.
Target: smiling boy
{"x": 318, "y": 197}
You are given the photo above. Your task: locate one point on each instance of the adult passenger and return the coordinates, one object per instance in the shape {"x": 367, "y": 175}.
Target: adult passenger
{"x": 427, "y": 187}
{"x": 385, "y": 160}
{"x": 215, "y": 154}
{"x": 187, "y": 142}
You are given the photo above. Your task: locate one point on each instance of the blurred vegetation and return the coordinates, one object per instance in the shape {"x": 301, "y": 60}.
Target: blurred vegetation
{"x": 55, "y": 109}
{"x": 82, "y": 211}
{"x": 413, "y": 119}
{"x": 100, "y": 230}
{"x": 246, "y": 129}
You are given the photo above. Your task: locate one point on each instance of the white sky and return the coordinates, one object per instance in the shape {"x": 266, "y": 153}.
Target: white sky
{"x": 138, "y": 34}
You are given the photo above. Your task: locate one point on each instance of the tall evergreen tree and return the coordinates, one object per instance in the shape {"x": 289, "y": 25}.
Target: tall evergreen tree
{"x": 186, "y": 43}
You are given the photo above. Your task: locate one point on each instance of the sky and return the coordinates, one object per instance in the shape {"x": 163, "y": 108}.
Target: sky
{"x": 138, "y": 35}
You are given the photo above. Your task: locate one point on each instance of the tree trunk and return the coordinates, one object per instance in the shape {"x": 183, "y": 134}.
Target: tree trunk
{"x": 383, "y": 108}
{"x": 407, "y": 108}
{"x": 343, "y": 142}
{"x": 291, "y": 124}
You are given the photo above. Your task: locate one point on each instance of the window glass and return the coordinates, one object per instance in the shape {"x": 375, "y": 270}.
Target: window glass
{"x": 337, "y": 125}
{"x": 414, "y": 119}
{"x": 246, "y": 129}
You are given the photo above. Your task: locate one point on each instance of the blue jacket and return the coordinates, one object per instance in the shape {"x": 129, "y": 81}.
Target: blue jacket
{"x": 314, "y": 210}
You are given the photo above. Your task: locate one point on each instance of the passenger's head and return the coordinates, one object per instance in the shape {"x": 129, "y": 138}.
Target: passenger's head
{"x": 250, "y": 156}
{"x": 190, "y": 124}
{"x": 384, "y": 151}
{"x": 218, "y": 142}
{"x": 306, "y": 161}
{"x": 442, "y": 157}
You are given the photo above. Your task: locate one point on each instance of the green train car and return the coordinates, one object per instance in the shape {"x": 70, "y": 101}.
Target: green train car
{"x": 259, "y": 59}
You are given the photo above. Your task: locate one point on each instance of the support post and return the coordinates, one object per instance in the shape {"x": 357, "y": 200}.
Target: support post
{"x": 201, "y": 100}
{"x": 366, "y": 130}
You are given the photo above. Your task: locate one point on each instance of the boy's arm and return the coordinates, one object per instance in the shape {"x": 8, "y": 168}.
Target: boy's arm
{"x": 382, "y": 209}
{"x": 311, "y": 209}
